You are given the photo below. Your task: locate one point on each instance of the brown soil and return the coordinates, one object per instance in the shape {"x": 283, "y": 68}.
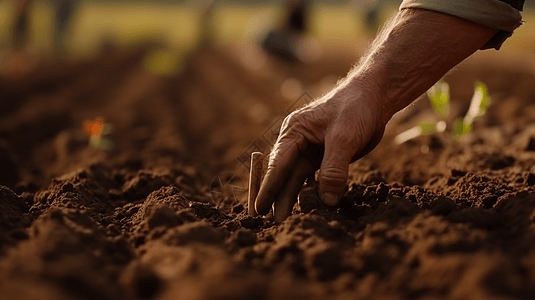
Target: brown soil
{"x": 144, "y": 220}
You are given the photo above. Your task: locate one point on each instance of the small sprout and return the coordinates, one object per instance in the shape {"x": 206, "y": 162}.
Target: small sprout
{"x": 94, "y": 127}
{"x": 479, "y": 104}
{"x": 478, "y": 107}
{"x": 96, "y": 130}
{"x": 439, "y": 96}
{"x": 421, "y": 129}
{"x": 432, "y": 128}
{"x": 460, "y": 128}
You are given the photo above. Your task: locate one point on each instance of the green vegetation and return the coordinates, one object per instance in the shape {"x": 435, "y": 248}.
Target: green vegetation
{"x": 478, "y": 107}
{"x": 439, "y": 97}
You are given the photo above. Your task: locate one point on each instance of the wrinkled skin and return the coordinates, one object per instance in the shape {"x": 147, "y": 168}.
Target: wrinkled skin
{"x": 299, "y": 151}
{"x": 413, "y": 52}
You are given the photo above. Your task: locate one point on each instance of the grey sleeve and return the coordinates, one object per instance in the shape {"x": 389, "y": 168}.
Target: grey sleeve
{"x": 501, "y": 15}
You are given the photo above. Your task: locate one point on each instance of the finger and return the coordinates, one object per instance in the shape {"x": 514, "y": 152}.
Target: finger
{"x": 374, "y": 141}
{"x": 281, "y": 162}
{"x": 286, "y": 199}
{"x": 334, "y": 168}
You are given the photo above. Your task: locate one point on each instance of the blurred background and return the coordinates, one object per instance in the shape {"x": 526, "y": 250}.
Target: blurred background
{"x": 202, "y": 82}
{"x": 82, "y": 28}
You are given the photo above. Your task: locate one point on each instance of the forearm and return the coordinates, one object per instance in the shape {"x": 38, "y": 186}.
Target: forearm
{"x": 414, "y": 51}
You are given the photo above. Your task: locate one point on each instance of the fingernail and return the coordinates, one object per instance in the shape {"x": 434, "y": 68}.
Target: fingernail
{"x": 330, "y": 199}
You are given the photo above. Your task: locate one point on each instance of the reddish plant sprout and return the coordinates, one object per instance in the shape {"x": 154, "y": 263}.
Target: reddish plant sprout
{"x": 97, "y": 129}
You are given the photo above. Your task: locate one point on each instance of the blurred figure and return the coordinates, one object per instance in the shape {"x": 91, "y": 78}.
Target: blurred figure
{"x": 20, "y": 32}
{"x": 297, "y": 13}
{"x": 287, "y": 39}
{"x": 371, "y": 18}
{"x": 372, "y": 14}
{"x": 64, "y": 10}
{"x": 207, "y": 22}
{"x": 19, "y": 63}
{"x": 283, "y": 41}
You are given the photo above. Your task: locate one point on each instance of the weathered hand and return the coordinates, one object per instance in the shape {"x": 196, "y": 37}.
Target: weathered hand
{"x": 328, "y": 135}
{"x": 414, "y": 50}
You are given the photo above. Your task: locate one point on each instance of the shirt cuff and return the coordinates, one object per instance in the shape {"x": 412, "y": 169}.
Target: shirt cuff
{"x": 491, "y": 13}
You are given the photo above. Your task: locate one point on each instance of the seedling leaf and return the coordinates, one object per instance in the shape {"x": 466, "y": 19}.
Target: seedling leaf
{"x": 439, "y": 96}
{"x": 460, "y": 128}
{"x": 432, "y": 128}
{"x": 479, "y": 104}
{"x": 424, "y": 128}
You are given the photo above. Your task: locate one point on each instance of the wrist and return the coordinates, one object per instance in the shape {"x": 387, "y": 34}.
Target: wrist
{"x": 414, "y": 51}
{"x": 368, "y": 88}
{"x": 365, "y": 92}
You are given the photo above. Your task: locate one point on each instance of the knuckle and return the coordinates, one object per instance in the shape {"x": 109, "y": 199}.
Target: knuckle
{"x": 294, "y": 119}
{"x": 333, "y": 176}
{"x": 275, "y": 153}
{"x": 292, "y": 128}
{"x": 303, "y": 125}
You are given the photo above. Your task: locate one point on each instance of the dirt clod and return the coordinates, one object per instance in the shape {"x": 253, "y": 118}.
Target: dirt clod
{"x": 162, "y": 214}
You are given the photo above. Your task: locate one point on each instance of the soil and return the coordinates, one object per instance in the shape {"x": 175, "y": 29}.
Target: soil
{"x": 152, "y": 218}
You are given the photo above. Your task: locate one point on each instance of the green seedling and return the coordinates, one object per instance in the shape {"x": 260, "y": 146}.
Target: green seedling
{"x": 97, "y": 130}
{"x": 420, "y": 129}
{"x": 439, "y": 97}
{"x": 478, "y": 107}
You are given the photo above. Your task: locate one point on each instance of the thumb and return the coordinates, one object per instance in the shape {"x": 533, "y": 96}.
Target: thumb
{"x": 334, "y": 169}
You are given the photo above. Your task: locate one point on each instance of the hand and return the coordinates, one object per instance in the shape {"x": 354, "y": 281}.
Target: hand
{"x": 415, "y": 49}
{"x": 328, "y": 135}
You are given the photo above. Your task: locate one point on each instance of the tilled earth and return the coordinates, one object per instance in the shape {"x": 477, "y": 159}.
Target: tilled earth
{"x": 152, "y": 218}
